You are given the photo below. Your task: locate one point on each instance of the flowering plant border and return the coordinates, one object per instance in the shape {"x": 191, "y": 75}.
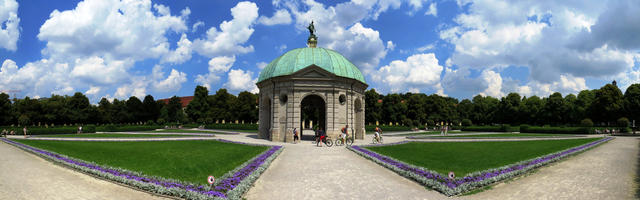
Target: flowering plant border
{"x": 231, "y": 185}
{"x": 451, "y": 187}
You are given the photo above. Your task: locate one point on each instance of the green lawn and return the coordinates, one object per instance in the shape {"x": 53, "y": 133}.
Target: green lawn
{"x": 508, "y": 135}
{"x": 434, "y": 133}
{"x": 179, "y": 131}
{"x": 466, "y": 157}
{"x": 190, "y": 161}
{"x": 115, "y": 135}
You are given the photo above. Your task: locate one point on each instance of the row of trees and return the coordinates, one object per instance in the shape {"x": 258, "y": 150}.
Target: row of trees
{"x": 74, "y": 109}
{"x": 603, "y": 106}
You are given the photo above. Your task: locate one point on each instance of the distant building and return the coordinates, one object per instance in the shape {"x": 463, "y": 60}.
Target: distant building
{"x": 183, "y": 100}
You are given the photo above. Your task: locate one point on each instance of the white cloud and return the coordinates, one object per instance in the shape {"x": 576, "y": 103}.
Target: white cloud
{"x": 390, "y": 45}
{"x": 181, "y": 54}
{"x": 281, "y": 48}
{"x": 433, "y": 10}
{"x": 197, "y": 25}
{"x": 93, "y": 90}
{"x": 232, "y": 34}
{"x": 172, "y": 83}
{"x": 217, "y": 65}
{"x": 41, "y": 78}
{"x": 494, "y": 83}
{"x": 9, "y": 25}
{"x": 426, "y": 48}
{"x": 261, "y": 65}
{"x": 95, "y": 70}
{"x": 280, "y": 17}
{"x": 553, "y": 39}
{"x": 112, "y": 29}
{"x": 240, "y": 80}
{"x": 420, "y": 71}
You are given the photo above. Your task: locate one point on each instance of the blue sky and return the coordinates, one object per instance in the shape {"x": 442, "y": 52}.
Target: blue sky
{"x": 114, "y": 49}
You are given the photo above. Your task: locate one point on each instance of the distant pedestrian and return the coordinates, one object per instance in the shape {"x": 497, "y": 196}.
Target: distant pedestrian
{"x": 79, "y": 129}
{"x": 295, "y": 135}
{"x": 24, "y": 130}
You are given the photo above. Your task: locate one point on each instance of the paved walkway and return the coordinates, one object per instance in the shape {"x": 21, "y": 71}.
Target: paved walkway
{"x": 26, "y": 176}
{"x": 303, "y": 171}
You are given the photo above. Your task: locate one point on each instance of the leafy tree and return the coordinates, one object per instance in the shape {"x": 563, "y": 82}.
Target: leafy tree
{"x": 174, "y": 110}
{"x": 373, "y": 106}
{"x": 632, "y": 102}
{"x": 5, "y": 109}
{"x": 199, "y": 106}
{"x": 571, "y": 114}
{"x": 29, "y": 111}
{"x": 79, "y": 108}
{"x": 509, "y": 108}
{"x": 247, "y": 107}
{"x": 608, "y": 103}
{"x": 554, "y": 109}
{"x": 221, "y": 105}
{"x": 55, "y": 109}
{"x": 151, "y": 109}
{"x": 105, "y": 111}
{"x": 530, "y": 110}
{"x": 465, "y": 109}
{"x": 135, "y": 109}
{"x": 583, "y": 103}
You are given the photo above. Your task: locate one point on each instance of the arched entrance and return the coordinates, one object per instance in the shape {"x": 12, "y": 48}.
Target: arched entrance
{"x": 313, "y": 115}
{"x": 359, "y": 115}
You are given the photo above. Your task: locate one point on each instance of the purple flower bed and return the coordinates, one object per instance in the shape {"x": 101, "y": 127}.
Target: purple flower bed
{"x": 221, "y": 189}
{"x": 457, "y": 186}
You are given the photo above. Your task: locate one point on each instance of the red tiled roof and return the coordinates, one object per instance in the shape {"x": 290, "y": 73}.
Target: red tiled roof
{"x": 183, "y": 100}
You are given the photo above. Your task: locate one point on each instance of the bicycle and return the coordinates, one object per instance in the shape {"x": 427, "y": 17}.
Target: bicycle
{"x": 379, "y": 140}
{"x": 348, "y": 140}
{"x": 327, "y": 141}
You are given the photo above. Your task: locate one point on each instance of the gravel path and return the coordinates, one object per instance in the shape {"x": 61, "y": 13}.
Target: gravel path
{"x": 606, "y": 172}
{"x": 26, "y": 176}
{"x": 303, "y": 171}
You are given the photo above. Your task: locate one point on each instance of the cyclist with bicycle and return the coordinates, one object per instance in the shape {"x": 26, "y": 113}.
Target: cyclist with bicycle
{"x": 322, "y": 137}
{"x": 378, "y": 131}
{"x": 344, "y": 134}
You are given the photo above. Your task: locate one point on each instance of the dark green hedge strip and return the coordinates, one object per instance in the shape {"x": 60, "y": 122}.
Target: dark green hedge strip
{"x": 504, "y": 128}
{"x": 232, "y": 126}
{"x": 114, "y": 128}
{"x": 568, "y": 130}
{"x": 386, "y": 128}
{"x": 54, "y": 130}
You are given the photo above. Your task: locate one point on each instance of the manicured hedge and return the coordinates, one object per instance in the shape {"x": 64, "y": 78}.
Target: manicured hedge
{"x": 568, "y": 130}
{"x": 503, "y": 128}
{"x": 370, "y": 128}
{"x": 115, "y": 128}
{"x": 54, "y": 130}
{"x": 232, "y": 126}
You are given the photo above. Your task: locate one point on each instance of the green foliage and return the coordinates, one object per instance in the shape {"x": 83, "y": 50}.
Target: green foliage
{"x": 586, "y": 122}
{"x": 632, "y": 102}
{"x": 371, "y": 128}
{"x": 466, "y": 122}
{"x": 115, "y": 128}
{"x": 232, "y": 126}
{"x": 54, "y": 130}
{"x": 608, "y": 103}
{"x": 197, "y": 109}
{"x": 623, "y": 122}
{"x": 556, "y": 130}
{"x": 503, "y": 128}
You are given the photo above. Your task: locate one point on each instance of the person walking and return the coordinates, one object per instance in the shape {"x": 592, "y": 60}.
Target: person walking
{"x": 24, "y": 130}
{"x": 295, "y": 135}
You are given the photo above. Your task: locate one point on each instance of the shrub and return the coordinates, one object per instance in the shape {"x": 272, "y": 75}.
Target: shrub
{"x": 114, "y": 128}
{"x": 466, "y": 122}
{"x": 586, "y": 122}
{"x": 385, "y": 128}
{"x": 557, "y": 130}
{"x": 232, "y": 126}
{"x": 407, "y": 122}
{"x": 56, "y": 130}
{"x": 503, "y": 128}
{"x": 623, "y": 122}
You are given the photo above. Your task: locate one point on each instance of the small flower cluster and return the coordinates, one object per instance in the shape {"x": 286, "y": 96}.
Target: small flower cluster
{"x": 474, "y": 180}
{"x": 230, "y": 186}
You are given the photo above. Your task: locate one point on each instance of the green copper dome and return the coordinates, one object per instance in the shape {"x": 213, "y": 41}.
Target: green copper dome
{"x": 301, "y": 58}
